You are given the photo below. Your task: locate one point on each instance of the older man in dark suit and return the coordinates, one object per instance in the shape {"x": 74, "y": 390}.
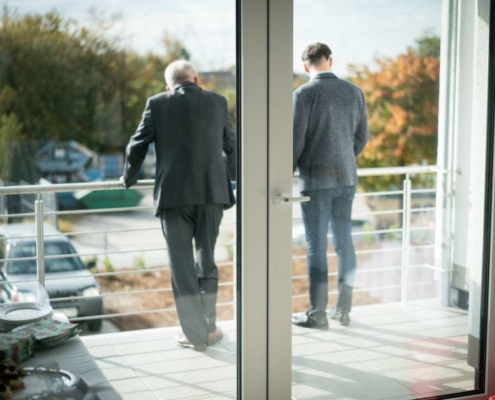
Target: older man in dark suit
{"x": 196, "y": 161}
{"x": 330, "y": 131}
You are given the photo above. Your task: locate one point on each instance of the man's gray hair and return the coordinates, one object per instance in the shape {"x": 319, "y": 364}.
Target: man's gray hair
{"x": 179, "y": 71}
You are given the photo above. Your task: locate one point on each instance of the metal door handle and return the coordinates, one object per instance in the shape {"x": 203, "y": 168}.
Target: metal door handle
{"x": 280, "y": 199}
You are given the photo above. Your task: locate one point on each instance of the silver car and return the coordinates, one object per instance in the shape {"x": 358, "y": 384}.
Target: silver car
{"x": 65, "y": 276}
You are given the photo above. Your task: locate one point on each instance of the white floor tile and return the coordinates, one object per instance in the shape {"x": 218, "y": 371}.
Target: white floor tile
{"x": 435, "y": 378}
{"x": 102, "y": 351}
{"x": 390, "y": 352}
{"x": 110, "y": 362}
{"x": 130, "y": 385}
{"x": 181, "y": 392}
{"x": 142, "y": 395}
{"x": 119, "y": 373}
{"x": 158, "y": 356}
{"x": 360, "y": 386}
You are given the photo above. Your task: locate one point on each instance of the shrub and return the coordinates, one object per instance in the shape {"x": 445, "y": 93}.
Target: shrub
{"x": 108, "y": 267}
{"x": 93, "y": 259}
{"x": 140, "y": 263}
{"x": 65, "y": 225}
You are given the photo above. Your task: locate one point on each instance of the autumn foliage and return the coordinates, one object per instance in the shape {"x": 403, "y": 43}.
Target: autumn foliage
{"x": 402, "y": 101}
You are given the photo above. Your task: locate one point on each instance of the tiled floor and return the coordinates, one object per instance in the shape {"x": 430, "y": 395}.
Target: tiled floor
{"x": 389, "y": 352}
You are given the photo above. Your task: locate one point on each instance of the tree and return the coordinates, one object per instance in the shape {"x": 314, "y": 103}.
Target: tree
{"x": 223, "y": 83}
{"x": 10, "y": 133}
{"x": 12, "y": 150}
{"x": 60, "y": 80}
{"x": 60, "y": 72}
{"x": 174, "y": 49}
{"x": 402, "y": 101}
{"x": 143, "y": 77}
{"x": 299, "y": 80}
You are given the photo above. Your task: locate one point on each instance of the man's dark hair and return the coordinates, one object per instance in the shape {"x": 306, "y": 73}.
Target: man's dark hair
{"x": 313, "y": 54}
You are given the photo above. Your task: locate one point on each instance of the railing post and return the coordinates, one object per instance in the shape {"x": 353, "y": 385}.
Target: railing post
{"x": 406, "y": 238}
{"x": 105, "y": 242}
{"x": 40, "y": 243}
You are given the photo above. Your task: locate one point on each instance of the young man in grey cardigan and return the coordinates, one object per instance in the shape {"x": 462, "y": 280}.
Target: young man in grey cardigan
{"x": 330, "y": 131}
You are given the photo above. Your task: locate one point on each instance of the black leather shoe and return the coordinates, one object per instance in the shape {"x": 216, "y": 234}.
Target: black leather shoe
{"x": 309, "y": 321}
{"x": 344, "y": 318}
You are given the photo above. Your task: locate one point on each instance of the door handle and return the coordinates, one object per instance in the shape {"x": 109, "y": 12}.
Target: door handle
{"x": 280, "y": 199}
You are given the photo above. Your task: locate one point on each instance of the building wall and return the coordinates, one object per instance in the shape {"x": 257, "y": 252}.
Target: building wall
{"x": 477, "y": 175}
{"x": 462, "y": 132}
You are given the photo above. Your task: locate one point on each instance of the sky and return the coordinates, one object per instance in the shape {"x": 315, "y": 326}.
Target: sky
{"x": 355, "y": 30}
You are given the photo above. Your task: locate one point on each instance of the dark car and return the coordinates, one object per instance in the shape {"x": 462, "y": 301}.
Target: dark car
{"x": 65, "y": 276}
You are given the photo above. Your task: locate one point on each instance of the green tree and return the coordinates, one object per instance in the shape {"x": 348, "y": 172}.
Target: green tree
{"x": 67, "y": 81}
{"x": 10, "y": 134}
{"x": 60, "y": 72}
{"x": 143, "y": 77}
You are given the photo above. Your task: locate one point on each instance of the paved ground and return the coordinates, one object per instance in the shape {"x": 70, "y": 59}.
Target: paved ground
{"x": 145, "y": 233}
{"x": 392, "y": 352}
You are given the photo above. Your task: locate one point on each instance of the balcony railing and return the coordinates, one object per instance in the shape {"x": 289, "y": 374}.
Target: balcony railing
{"x": 404, "y": 231}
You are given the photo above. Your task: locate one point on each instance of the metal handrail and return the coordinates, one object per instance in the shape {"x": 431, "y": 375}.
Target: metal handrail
{"x": 425, "y": 209}
{"x": 414, "y": 191}
{"x": 23, "y": 215}
{"x": 71, "y": 187}
{"x": 333, "y": 293}
{"x": 149, "y": 183}
{"x": 39, "y": 213}
{"x": 142, "y": 312}
{"x": 418, "y": 169}
{"x": 99, "y": 211}
{"x": 382, "y": 193}
{"x": 303, "y": 257}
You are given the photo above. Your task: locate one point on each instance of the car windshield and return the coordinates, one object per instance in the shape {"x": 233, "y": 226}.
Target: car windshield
{"x": 22, "y": 250}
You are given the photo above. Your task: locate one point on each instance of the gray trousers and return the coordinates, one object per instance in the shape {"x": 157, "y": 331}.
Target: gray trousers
{"x": 194, "y": 284}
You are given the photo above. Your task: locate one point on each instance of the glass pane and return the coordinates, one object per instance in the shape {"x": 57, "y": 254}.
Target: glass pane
{"x": 385, "y": 304}
{"x": 78, "y": 79}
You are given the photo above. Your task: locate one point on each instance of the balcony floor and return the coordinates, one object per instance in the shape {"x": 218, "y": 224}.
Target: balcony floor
{"x": 390, "y": 351}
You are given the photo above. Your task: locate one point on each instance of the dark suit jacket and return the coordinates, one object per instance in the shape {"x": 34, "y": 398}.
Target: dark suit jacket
{"x": 195, "y": 145}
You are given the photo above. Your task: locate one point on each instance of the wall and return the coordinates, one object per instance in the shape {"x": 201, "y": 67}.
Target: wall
{"x": 477, "y": 175}
{"x": 462, "y": 133}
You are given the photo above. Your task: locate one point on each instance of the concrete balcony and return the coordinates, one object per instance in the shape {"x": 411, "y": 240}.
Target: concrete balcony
{"x": 404, "y": 341}
{"x": 390, "y": 351}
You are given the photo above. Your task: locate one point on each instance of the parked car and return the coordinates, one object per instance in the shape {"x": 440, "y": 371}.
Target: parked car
{"x": 65, "y": 276}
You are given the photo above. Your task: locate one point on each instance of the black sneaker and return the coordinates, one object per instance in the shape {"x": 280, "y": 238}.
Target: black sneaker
{"x": 344, "y": 318}
{"x": 309, "y": 321}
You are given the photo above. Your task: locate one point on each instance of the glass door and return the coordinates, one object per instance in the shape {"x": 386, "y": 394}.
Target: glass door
{"x": 387, "y": 169}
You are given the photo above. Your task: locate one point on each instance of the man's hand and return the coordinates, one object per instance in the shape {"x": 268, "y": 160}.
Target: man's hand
{"x": 121, "y": 179}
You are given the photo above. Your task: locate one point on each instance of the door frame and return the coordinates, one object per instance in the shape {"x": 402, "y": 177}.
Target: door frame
{"x": 252, "y": 329}
{"x": 280, "y": 176}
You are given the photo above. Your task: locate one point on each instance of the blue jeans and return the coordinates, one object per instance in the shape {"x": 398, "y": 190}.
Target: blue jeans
{"x": 329, "y": 207}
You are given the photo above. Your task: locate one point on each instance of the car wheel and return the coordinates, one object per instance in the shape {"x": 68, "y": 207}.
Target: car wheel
{"x": 95, "y": 325}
